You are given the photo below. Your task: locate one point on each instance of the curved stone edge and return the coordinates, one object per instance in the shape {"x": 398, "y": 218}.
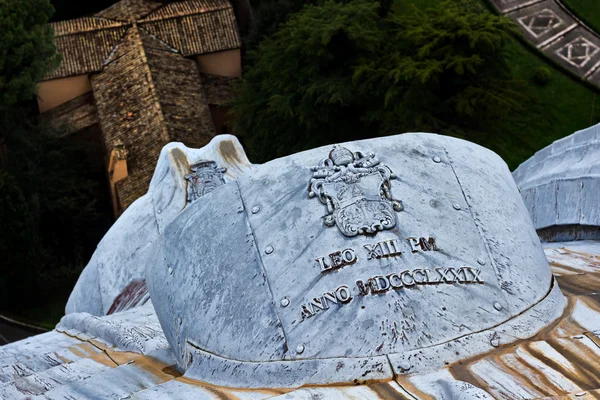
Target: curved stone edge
{"x": 523, "y": 326}
{"x": 120, "y": 257}
{"x": 278, "y": 374}
{"x": 555, "y": 40}
{"x": 134, "y": 337}
{"x": 217, "y": 370}
{"x": 545, "y": 164}
{"x": 560, "y": 185}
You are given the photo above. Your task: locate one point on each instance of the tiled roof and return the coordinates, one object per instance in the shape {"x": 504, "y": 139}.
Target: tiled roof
{"x": 85, "y": 24}
{"x": 129, "y": 10}
{"x": 182, "y": 8}
{"x": 199, "y": 33}
{"x": 84, "y": 52}
{"x": 192, "y": 27}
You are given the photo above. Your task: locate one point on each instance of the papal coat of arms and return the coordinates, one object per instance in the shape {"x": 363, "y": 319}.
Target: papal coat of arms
{"x": 205, "y": 177}
{"x": 356, "y": 190}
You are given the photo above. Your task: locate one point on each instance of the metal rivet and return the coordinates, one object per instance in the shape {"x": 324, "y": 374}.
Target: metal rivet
{"x": 255, "y": 209}
{"x": 300, "y": 349}
{"x": 498, "y": 306}
{"x": 495, "y": 342}
{"x": 285, "y": 302}
{"x": 456, "y": 206}
{"x": 170, "y": 270}
{"x": 159, "y": 211}
{"x": 405, "y": 366}
{"x": 481, "y": 261}
{"x": 437, "y": 159}
{"x": 269, "y": 249}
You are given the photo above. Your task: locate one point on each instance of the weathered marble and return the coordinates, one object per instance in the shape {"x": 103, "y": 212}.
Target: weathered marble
{"x": 256, "y": 253}
{"x": 229, "y": 273}
{"x": 121, "y": 256}
{"x": 560, "y": 186}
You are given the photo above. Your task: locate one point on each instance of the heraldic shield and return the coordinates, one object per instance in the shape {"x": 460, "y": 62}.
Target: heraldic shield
{"x": 357, "y": 192}
{"x": 205, "y": 177}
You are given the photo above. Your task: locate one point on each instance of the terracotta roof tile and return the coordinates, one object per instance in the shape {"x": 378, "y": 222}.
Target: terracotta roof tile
{"x": 198, "y": 34}
{"x": 183, "y": 8}
{"x": 80, "y": 25}
{"x": 129, "y": 10}
{"x": 85, "y": 52}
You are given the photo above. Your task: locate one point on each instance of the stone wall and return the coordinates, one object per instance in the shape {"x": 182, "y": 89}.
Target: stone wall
{"x": 180, "y": 93}
{"x": 129, "y": 111}
{"x": 74, "y": 115}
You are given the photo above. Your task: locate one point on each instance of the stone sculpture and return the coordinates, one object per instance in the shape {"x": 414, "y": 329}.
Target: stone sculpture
{"x": 205, "y": 177}
{"x": 448, "y": 297}
{"x": 356, "y": 190}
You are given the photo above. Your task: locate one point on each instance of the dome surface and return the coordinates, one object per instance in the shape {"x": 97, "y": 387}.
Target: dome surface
{"x": 322, "y": 267}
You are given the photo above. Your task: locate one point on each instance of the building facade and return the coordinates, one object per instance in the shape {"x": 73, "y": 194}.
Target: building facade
{"x": 139, "y": 75}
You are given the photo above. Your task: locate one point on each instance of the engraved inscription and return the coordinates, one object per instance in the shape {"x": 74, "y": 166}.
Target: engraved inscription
{"x": 374, "y": 251}
{"x": 356, "y": 189}
{"x": 387, "y": 248}
{"x": 422, "y": 244}
{"x": 407, "y": 278}
{"x": 341, "y": 295}
{"x": 337, "y": 260}
{"x": 380, "y": 284}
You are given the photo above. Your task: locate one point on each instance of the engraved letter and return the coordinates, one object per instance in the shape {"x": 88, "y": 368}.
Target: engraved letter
{"x": 428, "y": 244}
{"x": 319, "y": 304}
{"x": 329, "y": 297}
{"x": 343, "y": 294}
{"x": 403, "y": 274}
{"x": 336, "y": 258}
{"x": 362, "y": 288}
{"x": 392, "y": 248}
{"x": 414, "y": 244}
{"x": 466, "y": 277}
{"x": 324, "y": 267}
{"x": 475, "y": 273}
{"x": 349, "y": 256}
{"x": 456, "y": 276}
{"x": 372, "y": 249}
{"x": 379, "y": 284}
{"x": 420, "y": 272}
{"x": 429, "y": 278}
{"x": 443, "y": 275}
{"x": 395, "y": 281}
{"x": 306, "y": 312}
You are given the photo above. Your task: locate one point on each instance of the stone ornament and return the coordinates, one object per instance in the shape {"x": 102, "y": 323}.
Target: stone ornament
{"x": 356, "y": 190}
{"x": 205, "y": 177}
{"x": 578, "y": 52}
{"x": 540, "y": 23}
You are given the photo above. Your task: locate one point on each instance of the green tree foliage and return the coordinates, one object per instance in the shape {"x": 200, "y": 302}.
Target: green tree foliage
{"x": 49, "y": 214}
{"x": 52, "y": 216}
{"x": 27, "y": 51}
{"x": 344, "y": 70}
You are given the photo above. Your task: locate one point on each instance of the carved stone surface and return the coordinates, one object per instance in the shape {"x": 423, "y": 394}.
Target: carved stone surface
{"x": 254, "y": 256}
{"x": 205, "y": 177}
{"x": 251, "y": 294}
{"x": 121, "y": 256}
{"x": 560, "y": 184}
{"x": 356, "y": 190}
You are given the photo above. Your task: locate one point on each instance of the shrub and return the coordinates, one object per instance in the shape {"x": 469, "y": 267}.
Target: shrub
{"x": 542, "y": 76}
